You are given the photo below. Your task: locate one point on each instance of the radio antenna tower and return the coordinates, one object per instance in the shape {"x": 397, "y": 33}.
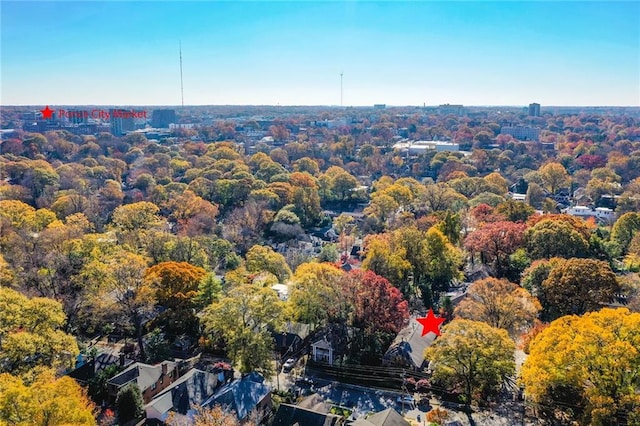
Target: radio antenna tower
{"x": 181, "y": 86}
{"x": 341, "y": 88}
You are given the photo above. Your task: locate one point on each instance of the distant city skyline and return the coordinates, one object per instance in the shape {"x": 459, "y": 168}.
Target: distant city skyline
{"x": 320, "y": 53}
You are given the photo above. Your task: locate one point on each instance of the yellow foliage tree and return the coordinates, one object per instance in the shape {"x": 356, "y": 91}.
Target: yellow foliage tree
{"x": 500, "y": 304}
{"x": 314, "y": 292}
{"x": 472, "y": 356}
{"x": 30, "y": 333}
{"x": 264, "y": 259}
{"x": 592, "y": 362}
{"x": 46, "y": 401}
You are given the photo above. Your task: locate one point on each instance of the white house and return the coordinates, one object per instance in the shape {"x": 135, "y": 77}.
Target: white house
{"x": 603, "y": 214}
{"x": 322, "y": 351}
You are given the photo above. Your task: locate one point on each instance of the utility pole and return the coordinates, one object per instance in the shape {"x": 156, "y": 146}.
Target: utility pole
{"x": 277, "y": 370}
{"x": 181, "y": 86}
{"x": 341, "y": 73}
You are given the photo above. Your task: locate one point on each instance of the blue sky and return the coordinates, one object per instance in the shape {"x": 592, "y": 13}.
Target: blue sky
{"x": 292, "y": 53}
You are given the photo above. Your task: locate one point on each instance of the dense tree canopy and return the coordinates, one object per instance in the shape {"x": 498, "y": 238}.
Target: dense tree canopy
{"x": 472, "y": 357}
{"x": 45, "y": 400}
{"x": 243, "y": 318}
{"x": 590, "y": 362}
{"x": 130, "y": 236}
{"x": 31, "y": 335}
{"x": 500, "y": 304}
{"x": 576, "y": 286}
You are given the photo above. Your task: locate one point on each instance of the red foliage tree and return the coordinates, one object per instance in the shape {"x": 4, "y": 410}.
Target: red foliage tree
{"x": 496, "y": 242}
{"x": 590, "y": 161}
{"x": 483, "y": 213}
{"x": 377, "y": 305}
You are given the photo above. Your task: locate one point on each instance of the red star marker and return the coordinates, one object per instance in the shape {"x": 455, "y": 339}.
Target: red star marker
{"x": 430, "y": 323}
{"x": 47, "y": 113}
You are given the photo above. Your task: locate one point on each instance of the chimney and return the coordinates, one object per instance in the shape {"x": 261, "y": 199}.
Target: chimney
{"x": 121, "y": 360}
{"x": 164, "y": 368}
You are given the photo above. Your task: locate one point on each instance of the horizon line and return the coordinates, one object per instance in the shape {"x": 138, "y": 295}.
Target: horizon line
{"x": 325, "y": 105}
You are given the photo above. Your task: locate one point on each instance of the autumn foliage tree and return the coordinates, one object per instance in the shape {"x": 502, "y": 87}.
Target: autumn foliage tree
{"x": 264, "y": 259}
{"x": 472, "y": 358}
{"x": 31, "y": 335}
{"x": 625, "y": 228}
{"x": 495, "y": 242}
{"x": 46, "y": 400}
{"x": 176, "y": 285}
{"x": 429, "y": 256}
{"x": 315, "y": 293}
{"x": 576, "y": 286}
{"x": 213, "y": 416}
{"x": 377, "y": 311}
{"x": 554, "y": 176}
{"x": 556, "y": 238}
{"x": 500, "y": 304}
{"x": 243, "y": 318}
{"x": 590, "y": 363}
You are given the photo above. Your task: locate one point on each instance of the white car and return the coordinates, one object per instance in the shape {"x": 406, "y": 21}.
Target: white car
{"x": 288, "y": 365}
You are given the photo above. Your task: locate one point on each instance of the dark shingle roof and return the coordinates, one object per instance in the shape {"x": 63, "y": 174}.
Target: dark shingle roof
{"x": 410, "y": 345}
{"x": 241, "y": 396}
{"x": 192, "y": 389}
{"x": 288, "y": 415}
{"x": 144, "y": 374}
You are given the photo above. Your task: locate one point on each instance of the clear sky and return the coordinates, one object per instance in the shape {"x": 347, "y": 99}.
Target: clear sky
{"x": 292, "y": 53}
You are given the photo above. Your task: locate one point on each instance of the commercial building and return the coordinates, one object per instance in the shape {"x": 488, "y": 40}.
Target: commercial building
{"x": 162, "y": 118}
{"x": 420, "y": 147}
{"x": 121, "y": 122}
{"x": 447, "y": 109}
{"x": 522, "y": 133}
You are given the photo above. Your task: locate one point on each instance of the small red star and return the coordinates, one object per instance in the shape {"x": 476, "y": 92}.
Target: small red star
{"x": 47, "y": 113}
{"x": 430, "y": 323}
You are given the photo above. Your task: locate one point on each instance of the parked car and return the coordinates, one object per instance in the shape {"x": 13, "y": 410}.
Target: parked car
{"x": 288, "y": 365}
{"x": 407, "y": 400}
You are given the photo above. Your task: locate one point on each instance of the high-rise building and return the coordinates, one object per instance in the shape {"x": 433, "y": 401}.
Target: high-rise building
{"x": 534, "y": 110}
{"x": 161, "y": 118}
{"x": 121, "y": 122}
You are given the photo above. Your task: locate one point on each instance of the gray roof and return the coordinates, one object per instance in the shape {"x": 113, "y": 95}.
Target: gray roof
{"x": 288, "y": 415}
{"x": 409, "y": 345}
{"x": 192, "y": 389}
{"x": 144, "y": 374}
{"x": 315, "y": 402}
{"x": 297, "y": 328}
{"x": 388, "y": 417}
{"x": 242, "y": 396}
{"x": 322, "y": 344}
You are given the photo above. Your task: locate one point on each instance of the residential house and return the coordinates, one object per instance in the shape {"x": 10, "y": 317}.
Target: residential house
{"x": 282, "y": 290}
{"x": 291, "y": 337}
{"x": 322, "y": 351}
{"x": 388, "y": 417}
{"x": 150, "y": 379}
{"x": 291, "y": 415}
{"x": 407, "y": 349}
{"x": 315, "y": 402}
{"x": 244, "y": 397}
{"x": 601, "y": 214}
{"x": 183, "y": 395}
{"x": 88, "y": 367}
